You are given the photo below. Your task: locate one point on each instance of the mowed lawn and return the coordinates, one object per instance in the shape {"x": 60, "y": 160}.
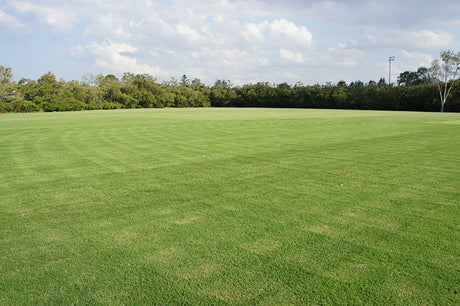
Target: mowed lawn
{"x": 239, "y": 206}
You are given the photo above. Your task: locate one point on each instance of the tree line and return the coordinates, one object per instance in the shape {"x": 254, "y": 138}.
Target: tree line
{"x": 100, "y": 92}
{"x": 414, "y": 91}
{"x": 356, "y": 95}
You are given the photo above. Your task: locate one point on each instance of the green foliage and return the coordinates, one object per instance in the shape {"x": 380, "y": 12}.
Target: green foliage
{"x": 356, "y": 95}
{"x": 6, "y": 75}
{"x": 420, "y": 77}
{"x": 416, "y": 92}
{"x": 5, "y": 107}
{"x": 20, "y": 106}
{"x": 6, "y": 84}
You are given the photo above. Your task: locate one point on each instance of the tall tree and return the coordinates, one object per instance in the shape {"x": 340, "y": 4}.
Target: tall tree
{"x": 424, "y": 76}
{"x": 407, "y": 78}
{"x": 410, "y": 78}
{"x": 6, "y": 78}
{"x": 5, "y": 75}
{"x": 446, "y": 74}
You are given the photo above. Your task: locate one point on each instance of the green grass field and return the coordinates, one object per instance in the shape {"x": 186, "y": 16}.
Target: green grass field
{"x": 242, "y": 206}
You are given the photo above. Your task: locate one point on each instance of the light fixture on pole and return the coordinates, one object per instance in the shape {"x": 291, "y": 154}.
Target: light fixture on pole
{"x": 390, "y": 59}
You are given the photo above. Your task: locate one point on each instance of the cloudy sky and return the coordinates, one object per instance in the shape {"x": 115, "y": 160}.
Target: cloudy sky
{"x": 244, "y": 41}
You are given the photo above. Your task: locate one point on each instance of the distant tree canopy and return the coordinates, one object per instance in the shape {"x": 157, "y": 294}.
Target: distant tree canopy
{"x": 415, "y": 92}
{"x": 420, "y": 77}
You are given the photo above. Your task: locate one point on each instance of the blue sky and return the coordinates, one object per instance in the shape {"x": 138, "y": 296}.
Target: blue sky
{"x": 243, "y": 41}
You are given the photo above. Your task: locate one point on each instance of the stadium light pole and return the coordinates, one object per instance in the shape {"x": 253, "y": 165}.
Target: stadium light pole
{"x": 390, "y": 59}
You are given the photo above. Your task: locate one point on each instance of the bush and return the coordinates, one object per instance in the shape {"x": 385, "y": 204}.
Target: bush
{"x": 5, "y": 107}
{"x": 21, "y": 106}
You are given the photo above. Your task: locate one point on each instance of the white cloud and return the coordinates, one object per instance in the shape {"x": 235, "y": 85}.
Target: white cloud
{"x": 341, "y": 56}
{"x": 431, "y": 39}
{"x": 284, "y": 30}
{"x": 189, "y": 33}
{"x": 58, "y": 17}
{"x": 110, "y": 26}
{"x": 289, "y": 55}
{"x": 11, "y": 24}
{"x": 233, "y": 58}
{"x": 413, "y": 60}
{"x": 421, "y": 58}
{"x": 254, "y": 32}
{"x": 112, "y": 57}
{"x": 323, "y": 57}
{"x": 421, "y": 39}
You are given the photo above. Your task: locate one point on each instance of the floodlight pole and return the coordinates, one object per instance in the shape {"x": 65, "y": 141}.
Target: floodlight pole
{"x": 390, "y": 59}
